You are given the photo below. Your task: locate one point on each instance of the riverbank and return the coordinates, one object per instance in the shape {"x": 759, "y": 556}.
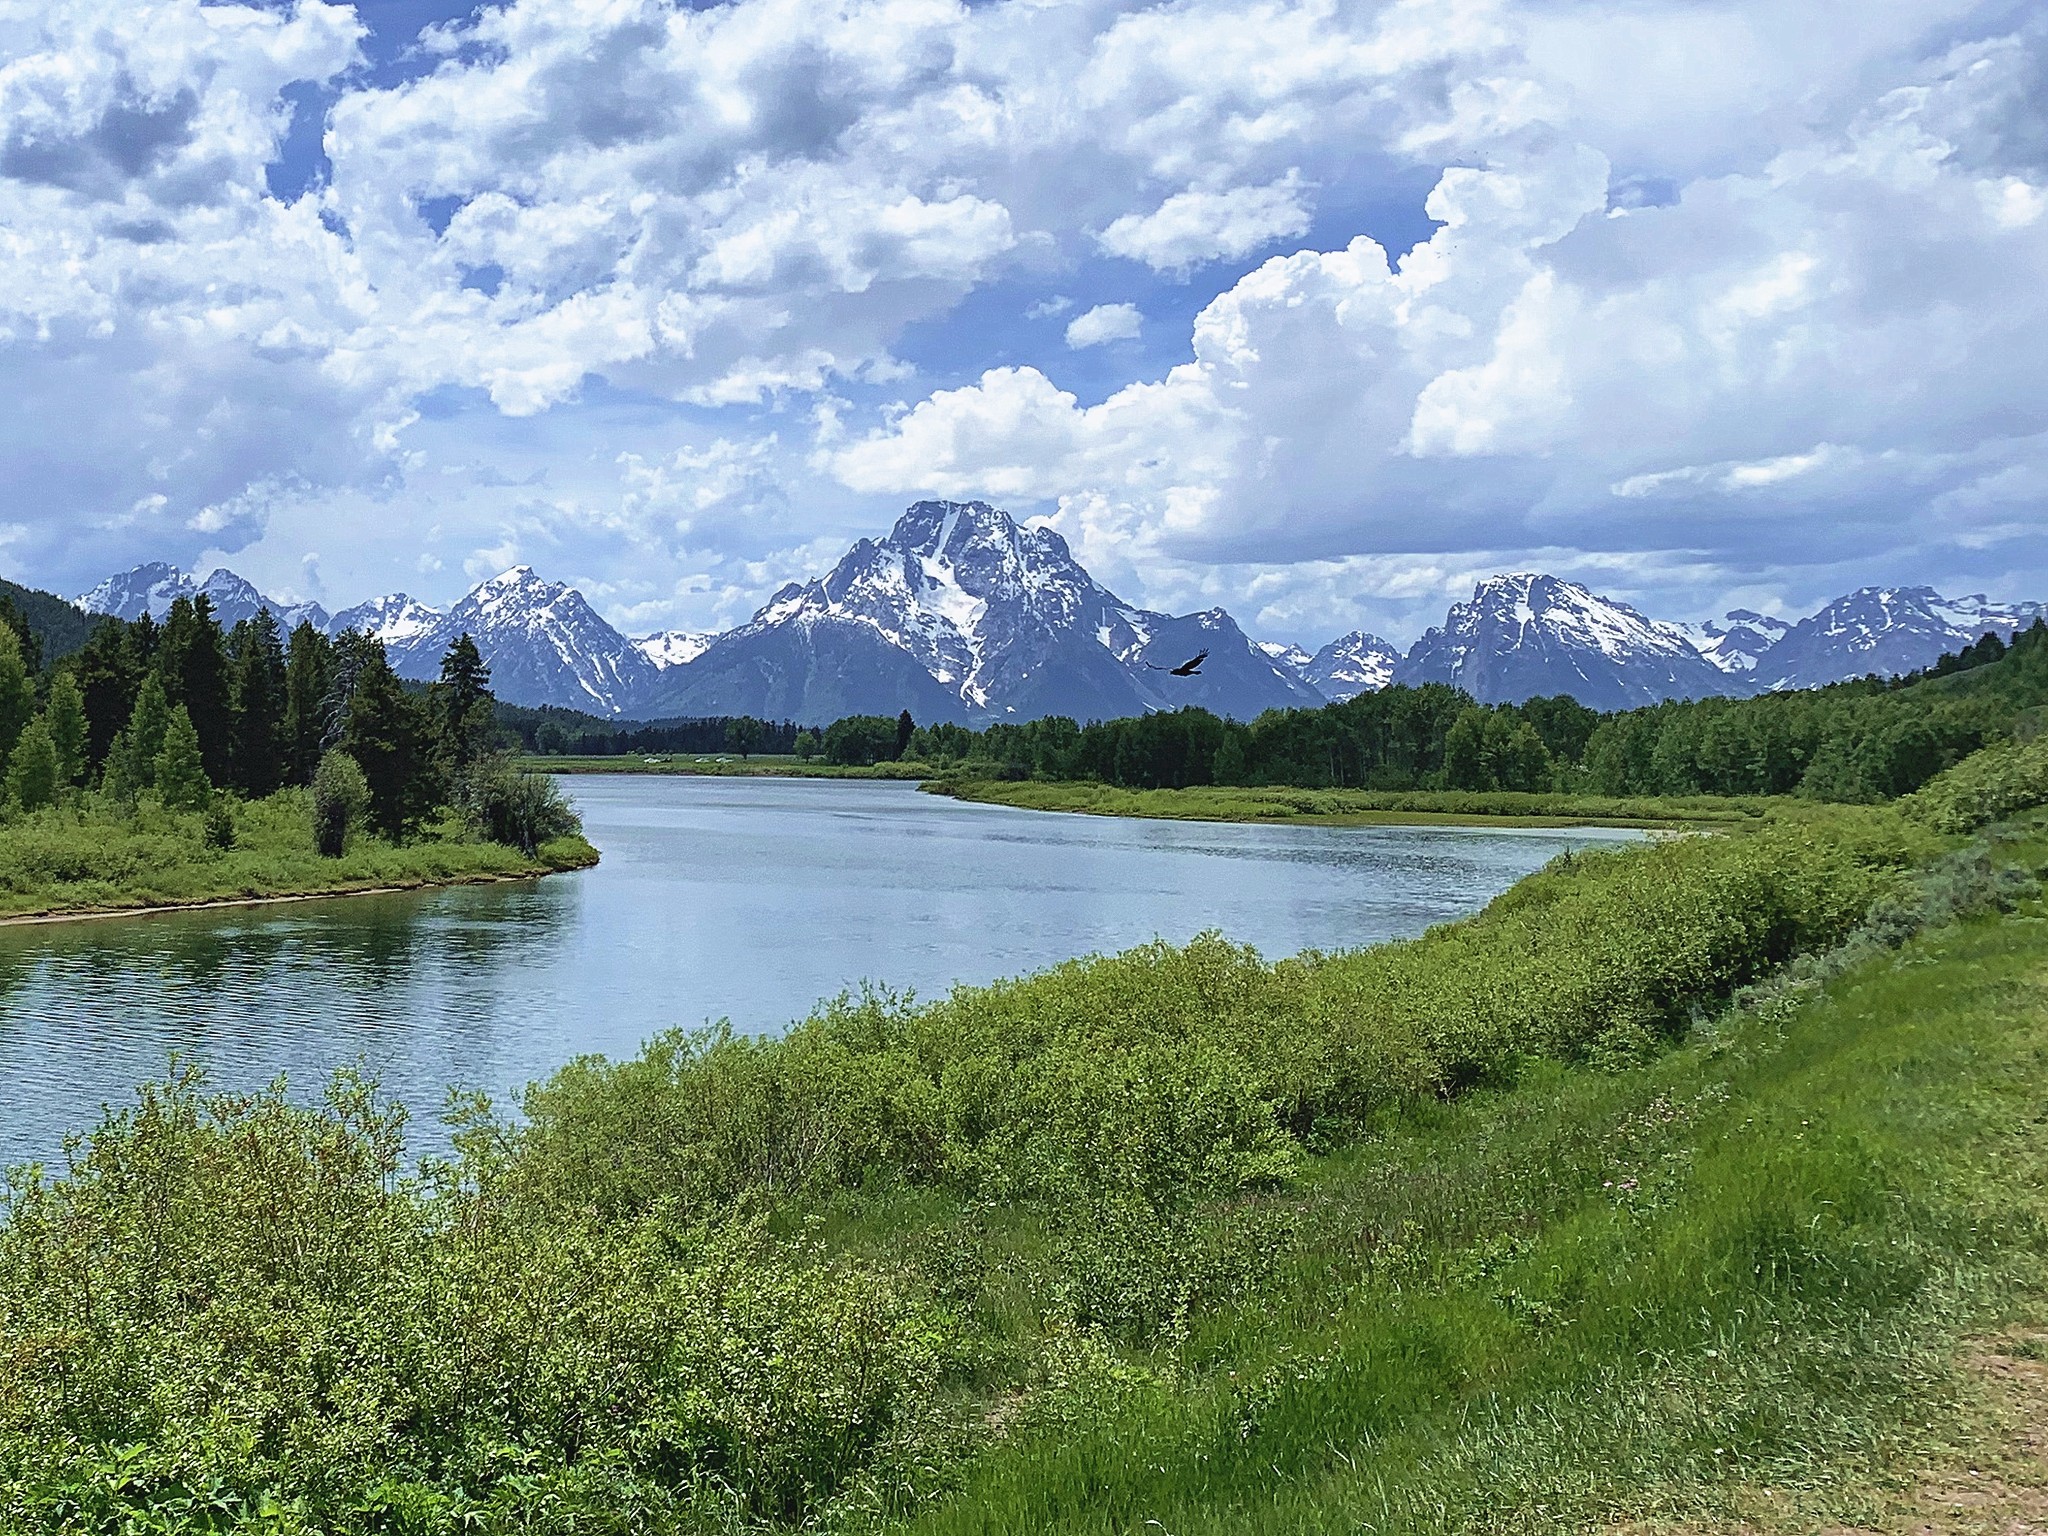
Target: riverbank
{"x": 708, "y": 766}
{"x": 87, "y": 861}
{"x": 1338, "y": 807}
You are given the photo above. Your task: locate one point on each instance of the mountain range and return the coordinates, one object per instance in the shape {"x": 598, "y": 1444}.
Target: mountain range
{"x": 962, "y": 614}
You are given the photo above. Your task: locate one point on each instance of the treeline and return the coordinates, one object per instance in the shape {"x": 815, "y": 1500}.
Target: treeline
{"x": 178, "y": 713}
{"x": 552, "y": 731}
{"x": 1862, "y": 741}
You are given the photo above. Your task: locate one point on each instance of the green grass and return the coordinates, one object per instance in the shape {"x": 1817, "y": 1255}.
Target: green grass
{"x": 717, "y": 765}
{"x": 1338, "y": 807}
{"x": 88, "y": 856}
{"x": 1603, "y": 1296}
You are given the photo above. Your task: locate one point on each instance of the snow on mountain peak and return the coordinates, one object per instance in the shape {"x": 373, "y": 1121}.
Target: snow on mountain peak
{"x": 1350, "y": 665}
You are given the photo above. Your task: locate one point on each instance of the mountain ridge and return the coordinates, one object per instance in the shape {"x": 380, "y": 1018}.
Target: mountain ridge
{"x": 961, "y": 613}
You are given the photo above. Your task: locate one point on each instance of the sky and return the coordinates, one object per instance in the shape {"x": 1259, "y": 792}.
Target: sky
{"x": 1318, "y": 311}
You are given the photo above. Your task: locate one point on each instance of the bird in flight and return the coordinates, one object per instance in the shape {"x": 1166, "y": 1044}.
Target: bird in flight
{"x": 1192, "y": 667}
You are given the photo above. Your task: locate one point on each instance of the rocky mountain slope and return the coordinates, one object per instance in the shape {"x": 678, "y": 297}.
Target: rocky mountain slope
{"x": 979, "y": 619}
{"x": 1526, "y": 635}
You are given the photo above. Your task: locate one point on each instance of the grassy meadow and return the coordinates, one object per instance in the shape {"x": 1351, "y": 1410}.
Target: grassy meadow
{"x": 89, "y": 855}
{"x": 1682, "y": 1184}
{"x": 1357, "y": 807}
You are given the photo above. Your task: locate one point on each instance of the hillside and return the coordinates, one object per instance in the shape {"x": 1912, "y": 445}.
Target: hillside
{"x": 59, "y": 626}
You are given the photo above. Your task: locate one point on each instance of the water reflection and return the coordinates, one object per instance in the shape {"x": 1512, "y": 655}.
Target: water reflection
{"x": 742, "y": 899}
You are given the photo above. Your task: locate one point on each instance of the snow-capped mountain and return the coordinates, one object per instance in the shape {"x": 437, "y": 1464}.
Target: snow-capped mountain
{"x": 154, "y": 587}
{"x": 1525, "y": 636}
{"x": 674, "y": 647}
{"x": 396, "y": 620}
{"x": 1350, "y": 665}
{"x": 961, "y": 614}
{"x": 1288, "y": 654}
{"x": 1886, "y": 630}
{"x": 542, "y": 641}
{"x": 1737, "y": 645}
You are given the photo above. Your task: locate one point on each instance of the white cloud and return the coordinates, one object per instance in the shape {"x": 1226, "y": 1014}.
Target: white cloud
{"x": 1105, "y": 323}
{"x": 1196, "y": 226}
{"x": 1683, "y": 250}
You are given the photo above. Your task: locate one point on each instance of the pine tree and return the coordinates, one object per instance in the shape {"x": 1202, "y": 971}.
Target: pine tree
{"x": 11, "y": 617}
{"x": 257, "y": 670}
{"x": 17, "y": 693}
{"x": 462, "y": 704}
{"x": 181, "y": 780}
{"x": 131, "y": 764}
{"x": 65, "y": 713}
{"x": 32, "y": 772}
{"x": 905, "y": 729}
{"x": 384, "y": 734}
{"x": 194, "y": 664}
{"x": 109, "y": 673}
{"x": 308, "y": 678}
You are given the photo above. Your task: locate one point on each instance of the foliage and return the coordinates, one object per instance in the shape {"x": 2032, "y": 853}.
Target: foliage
{"x": 860, "y": 741}
{"x": 341, "y": 799}
{"x": 1168, "y": 1073}
{"x": 17, "y": 693}
{"x": 514, "y": 806}
{"x": 132, "y": 761}
{"x": 180, "y": 778}
{"x": 35, "y": 772}
{"x": 65, "y": 716}
{"x": 1989, "y": 786}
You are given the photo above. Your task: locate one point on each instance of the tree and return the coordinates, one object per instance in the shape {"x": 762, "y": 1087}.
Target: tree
{"x": 65, "y": 713}
{"x": 12, "y": 618}
{"x": 905, "y": 729}
{"x": 32, "y": 772}
{"x": 109, "y": 671}
{"x": 860, "y": 740}
{"x": 257, "y": 672}
{"x": 743, "y": 734}
{"x": 385, "y": 735}
{"x": 181, "y": 780}
{"x": 17, "y": 693}
{"x": 462, "y": 705}
{"x": 308, "y": 681}
{"x": 340, "y": 797}
{"x": 808, "y": 744}
{"x": 132, "y": 762}
{"x": 194, "y": 667}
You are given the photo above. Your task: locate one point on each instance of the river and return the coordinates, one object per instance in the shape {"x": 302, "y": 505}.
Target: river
{"x": 741, "y": 899}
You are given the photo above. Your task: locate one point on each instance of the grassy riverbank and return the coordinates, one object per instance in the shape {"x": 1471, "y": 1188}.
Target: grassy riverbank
{"x": 1520, "y": 1225}
{"x": 1339, "y": 807}
{"x": 90, "y": 856}
{"x": 707, "y": 765}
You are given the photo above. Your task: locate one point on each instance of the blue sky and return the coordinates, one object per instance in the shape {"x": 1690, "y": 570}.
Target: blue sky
{"x": 1320, "y": 311}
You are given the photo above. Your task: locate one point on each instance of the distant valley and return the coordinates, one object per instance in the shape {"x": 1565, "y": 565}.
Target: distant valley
{"x": 962, "y": 614}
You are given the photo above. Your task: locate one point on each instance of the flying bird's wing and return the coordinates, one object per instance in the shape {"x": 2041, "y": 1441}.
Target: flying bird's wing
{"x": 1192, "y": 665}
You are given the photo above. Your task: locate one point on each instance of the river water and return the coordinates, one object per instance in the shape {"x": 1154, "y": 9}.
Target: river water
{"x": 740, "y": 899}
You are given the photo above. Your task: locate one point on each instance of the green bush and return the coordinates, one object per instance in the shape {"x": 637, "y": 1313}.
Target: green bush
{"x": 1986, "y": 786}
{"x": 245, "y": 1301}
{"x": 1176, "y": 1073}
{"x": 341, "y": 799}
{"x": 515, "y": 807}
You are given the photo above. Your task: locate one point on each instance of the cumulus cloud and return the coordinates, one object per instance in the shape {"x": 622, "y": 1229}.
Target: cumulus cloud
{"x": 1197, "y": 226}
{"x": 1105, "y": 323}
{"x": 1723, "y": 289}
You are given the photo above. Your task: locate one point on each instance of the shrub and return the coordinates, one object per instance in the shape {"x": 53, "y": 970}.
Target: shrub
{"x": 516, "y": 807}
{"x": 220, "y": 824}
{"x": 1984, "y": 787}
{"x": 341, "y": 798}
